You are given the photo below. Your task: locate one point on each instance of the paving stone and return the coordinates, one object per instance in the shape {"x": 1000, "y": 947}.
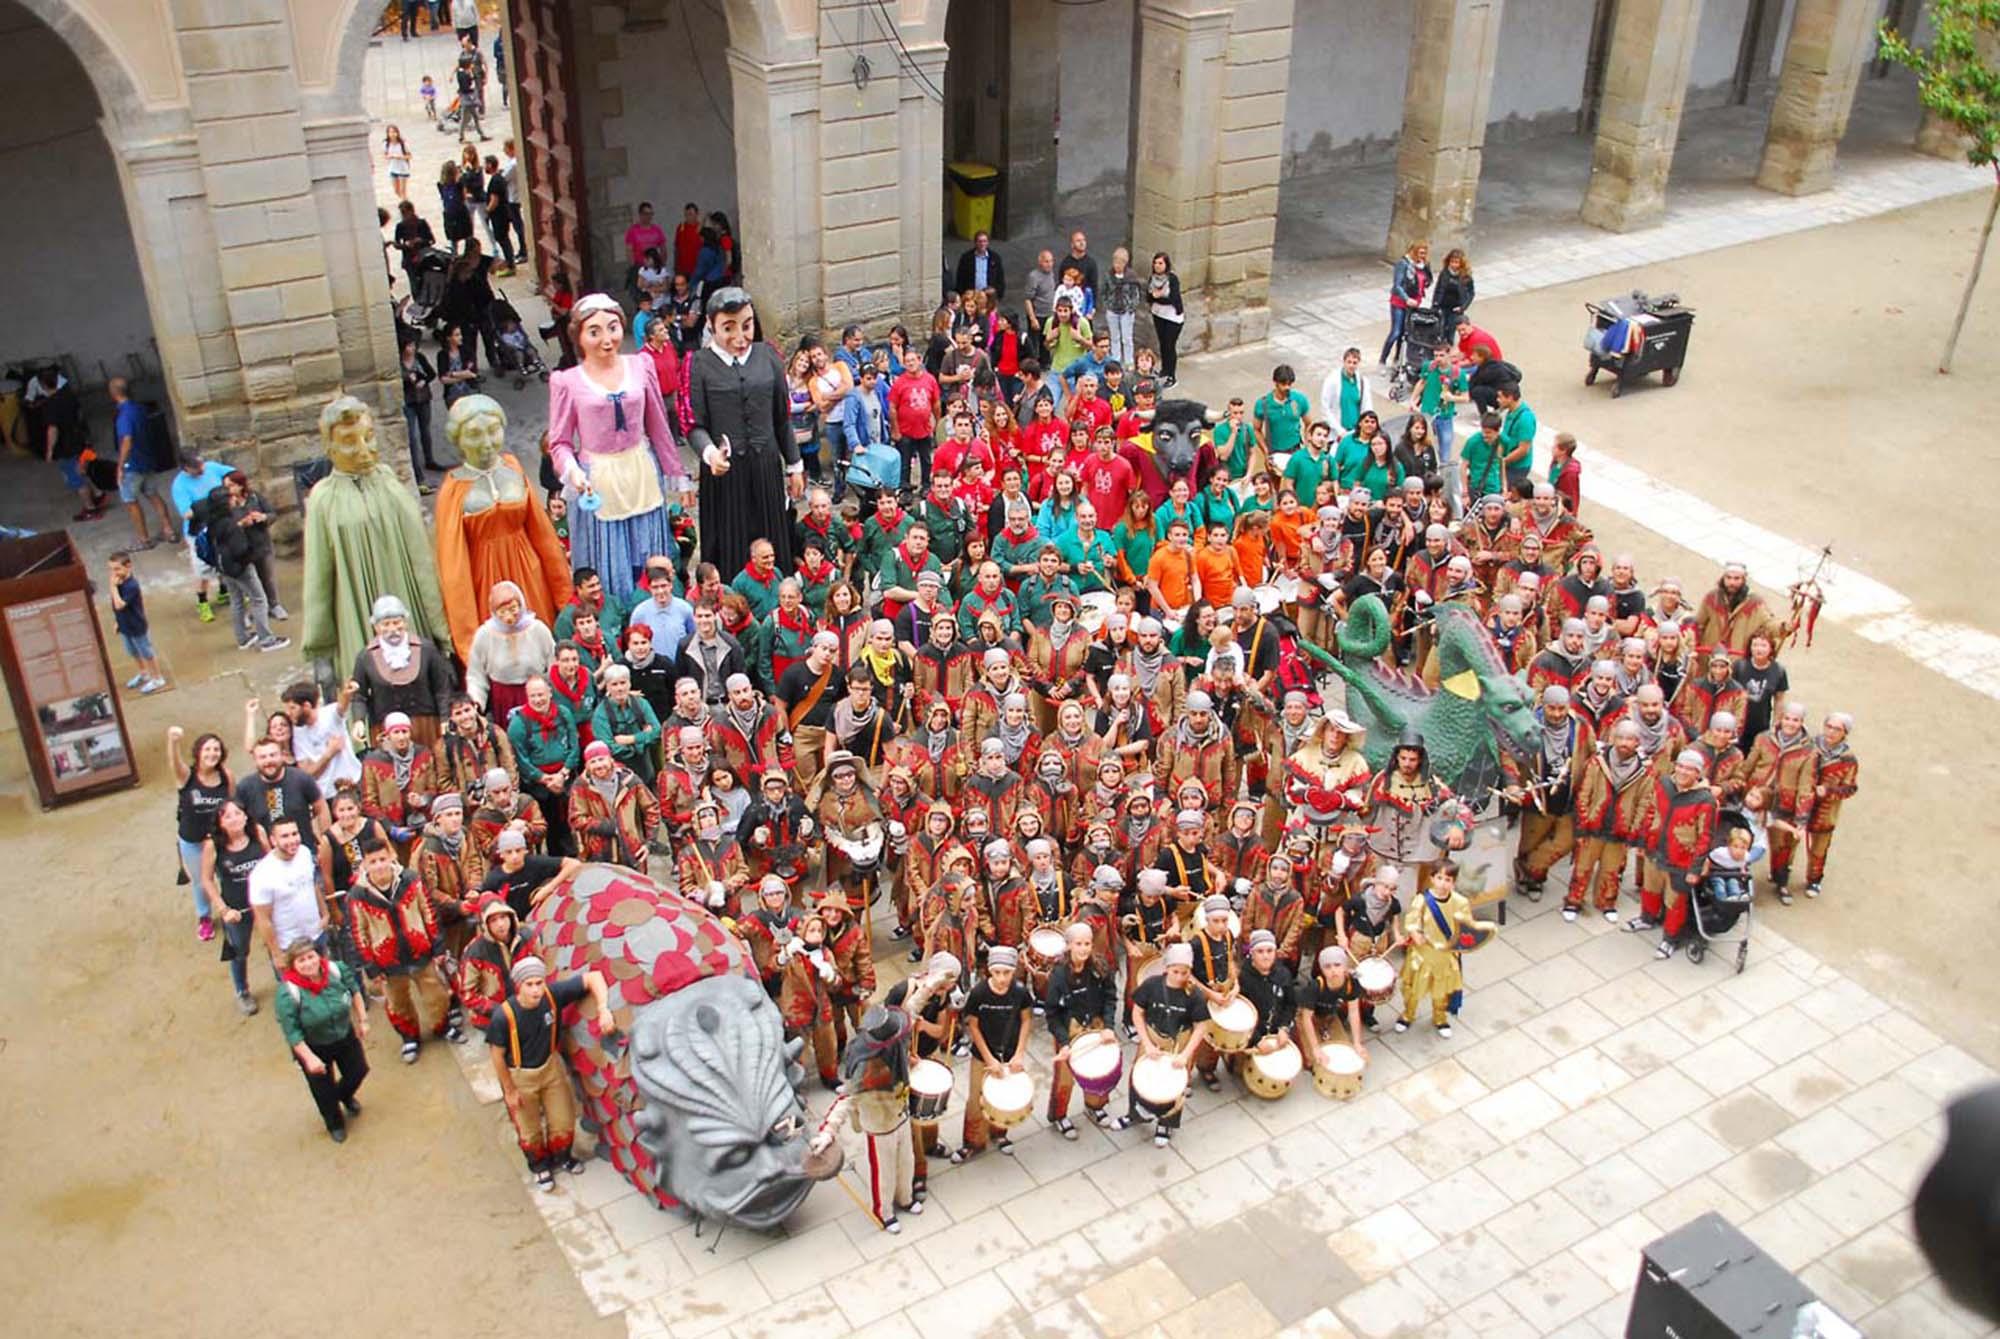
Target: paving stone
{"x": 1486, "y": 1317}
{"x": 1138, "y": 1172}
{"x": 1724, "y": 1065}
{"x": 1660, "y": 1098}
{"x": 1687, "y": 1202}
{"x": 1373, "y": 1180}
{"x": 1704, "y": 1018}
{"x": 1381, "y": 1242}
{"x": 1319, "y": 1324}
{"x": 714, "y": 1301}
{"x": 1593, "y": 1131}
{"x": 1223, "y": 1134}
{"x": 1400, "y": 1304}
{"x": 1310, "y": 1210}
{"x": 1295, "y": 1158}
{"x": 1215, "y": 1257}
{"x": 1783, "y": 1034}
{"x": 625, "y": 1280}
{"x": 805, "y": 1261}
{"x": 1804, "y": 1085}
{"x": 1046, "y": 1274}
{"x": 1945, "y": 1073}
{"x": 1519, "y": 1109}
{"x": 962, "y": 1249}
{"x": 1609, "y": 1188}
{"x": 1525, "y": 1167}
{"x": 1134, "y": 1297}
{"x": 1569, "y": 1027}
{"x": 1743, "y": 1120}
{"x": 970, "y": 1189}
{"x": 1499, "y": 1060}
{"x": 1905, "y": 1160}
{"x": 1123, "y": 1235}
{"x": 1644, "y": 1047}
{"x": 1457, "y": 1203}
{"x": 1852, "y": 1199}
{"x": 1555, "y": 1291}
{"x": 1581, "y": 1077}
{"x": 1614, "y": 1252}
{"x": 1220, "y": 1193}
{"x": 968, "y": 1303}
{"x": 1234, "y": 1311}
{"x": 1046, "y": 1156}
{"x": 803, "y": 1315}
{"x": 1764, "y": 1175}
{"x": 634, "y": 1220}
{"x": 1888, "y": 1106}
{"x": 1863, "y": 1055}
{"x": 1678, "y": 1152}
{"x": 1438, "y": 1090}
{"x": 1537, "y": 1228}
{"x": 1368, "y": 1122}
{"x": 1829, "y": 1138}
{"x": 1878, "y": 1265}
{"x": 1792, "y": 1234}
{"x": 876, "y": 1288}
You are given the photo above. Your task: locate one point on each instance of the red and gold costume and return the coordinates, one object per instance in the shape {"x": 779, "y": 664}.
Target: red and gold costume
{"x": 1613, "y": 813}
{"x": 614, "y": 831}
{"x": 452, "y": 878}
{"x": 1780, "y": 778}
{"x": 1682, "y": 834}
{"x": 1839, "y": 778}
{"x": 1699, "y": 699}
{"x": 489, "y": 822}
{"x": 396, "y": 936}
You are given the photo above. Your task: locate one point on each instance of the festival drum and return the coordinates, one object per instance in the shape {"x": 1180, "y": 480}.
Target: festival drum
{"x": 1094, "y": 609}
{"x": 1269, "y": 1074}
{"x": 1288, "y": 588}
{"x": 1376, "y": 978}
{"x": 1338, "y": 1073}
{"x": 1230, "y": 1024}
{"x": 1159, "y": 1086}
{"x": 1045, "y": 949}
{"x": 1268, "y": 599}
{"x": 1097, "y": 1063}
{"x": 930, "y": 1090}
{"x": 1008, "y": 1099}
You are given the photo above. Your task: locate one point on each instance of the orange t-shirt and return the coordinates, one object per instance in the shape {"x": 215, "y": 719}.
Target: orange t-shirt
{"x": 1174, "y": 572}
{"x": 1251, "y": 559}
{"x": 1216, "y": 569}
{"x": 1287, "y": 534}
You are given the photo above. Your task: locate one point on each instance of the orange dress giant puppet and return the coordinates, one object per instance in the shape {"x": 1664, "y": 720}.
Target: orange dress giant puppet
{"x": 489, "y": 528}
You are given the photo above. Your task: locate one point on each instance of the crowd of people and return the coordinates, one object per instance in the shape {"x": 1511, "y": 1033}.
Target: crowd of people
{"x": 1041, "y": 711}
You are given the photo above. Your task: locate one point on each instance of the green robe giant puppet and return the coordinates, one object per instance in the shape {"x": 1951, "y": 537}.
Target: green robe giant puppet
{"x": 365, "y": 538}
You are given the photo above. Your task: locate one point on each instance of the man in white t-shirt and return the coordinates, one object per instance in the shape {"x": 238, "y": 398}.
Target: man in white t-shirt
{"x": 284, "y": 890}
{"x": 320, "y": 741}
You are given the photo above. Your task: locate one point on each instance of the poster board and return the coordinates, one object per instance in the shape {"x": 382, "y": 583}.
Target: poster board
{"x": 58, "y": 674}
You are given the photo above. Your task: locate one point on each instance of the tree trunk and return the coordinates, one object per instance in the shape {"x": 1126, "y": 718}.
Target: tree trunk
{"x": 1971, "y": 280}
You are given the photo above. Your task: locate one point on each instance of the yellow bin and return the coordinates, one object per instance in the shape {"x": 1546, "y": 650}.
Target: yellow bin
{"x": 973, "y": 186}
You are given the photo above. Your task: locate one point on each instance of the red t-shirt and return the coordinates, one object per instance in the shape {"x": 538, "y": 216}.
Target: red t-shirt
{"x": 1108, "y": 484}
{"x": 914, "y": 400}
{"x": 1095, "y": 409}
{"x": 1475, "y": 338}
{"x": 687, "y": 247}
{"x": 951, "y": 457}
{"x": 641, "y": 237}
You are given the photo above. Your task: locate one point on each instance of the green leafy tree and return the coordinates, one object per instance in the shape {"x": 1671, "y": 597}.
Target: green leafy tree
{"x": 1957, "y": 82}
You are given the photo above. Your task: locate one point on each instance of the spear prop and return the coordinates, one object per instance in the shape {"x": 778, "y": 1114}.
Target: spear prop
{"x": 1808, "y": 598}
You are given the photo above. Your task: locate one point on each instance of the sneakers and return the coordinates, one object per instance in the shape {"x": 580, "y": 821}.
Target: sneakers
{"x": 204, "y": 929}
{"x": 273, "y": 643}
{"x": 572, "y": 1165}
{"x": 1162, "y": 1136}
{"x": 1666, "y": 950}
{"x": 1210, "y": 1081}
{"x": 455, "y": 1035}
{"x": 1402, "y": 1025}
{"x": 246, "y": 1003}
{"x": 546, "y": 1180}
{"x": 1569, "y": 913}
{"x": 915, "y": 1206}
{"x": 1640, "y": 924}
{"x": 1812, "y": 889}
{"x": 900, "y": 932}
{"x": 136, "y": 679}
{"x": 1444, "y": 1030}
{"x": 891, "y": 1226}
{"x": 152, "y": 685}
{"x": 409, "y": 1053}
{"x": 1784, "y": 898}
{"x": 278, "y": 613}
{"x": 1005, "y": 1145}
{"x": 204, "y": 611}
{"x": 1066, "y": 1128}
{"x": 220, "y": 598}
{"x": 245, "y": 642}
{"x": 352, "y": 1105}
{"x": 1611, "y": 915}
{"x": 337, "y": 1133}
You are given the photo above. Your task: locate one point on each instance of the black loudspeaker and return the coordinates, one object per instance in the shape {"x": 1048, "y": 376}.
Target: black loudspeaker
{"x": 1706, "y": 1280}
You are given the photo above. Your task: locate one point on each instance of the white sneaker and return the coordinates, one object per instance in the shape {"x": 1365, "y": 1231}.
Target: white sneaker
{"x": 278, "y": 613}
{"x": 136, "y": 679}
{"x": 891, "y": 1226}
{"x": 1569, "y": 914}
{"x": 1611, "y": 915}
{"x": 916, "y": 1207}
{"x": 153, "y": 685}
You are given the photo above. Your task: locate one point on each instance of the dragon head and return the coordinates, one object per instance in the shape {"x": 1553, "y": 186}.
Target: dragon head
{"x": 1470, "y": 667}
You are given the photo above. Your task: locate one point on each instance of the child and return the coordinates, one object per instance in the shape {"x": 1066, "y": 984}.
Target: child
{"x": 128, "y": 612}
{"x": 1729, "y": 864}
{"x": 1434, "y": 930}
{"x": 1081, "y": 300}
{"x": 428, "y": 91}
{"x": 515, "y": 340}
{"x": 1216, "y": 567}
{"x": 1566, "y": 474}
{"x": 559, "y": 517}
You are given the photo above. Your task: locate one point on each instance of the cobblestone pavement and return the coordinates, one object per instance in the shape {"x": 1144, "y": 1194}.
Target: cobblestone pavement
{"x": 1497, "y": 1184}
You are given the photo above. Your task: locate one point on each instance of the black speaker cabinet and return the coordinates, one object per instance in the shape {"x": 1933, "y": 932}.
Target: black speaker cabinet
{"x": 1706, "y": 1280}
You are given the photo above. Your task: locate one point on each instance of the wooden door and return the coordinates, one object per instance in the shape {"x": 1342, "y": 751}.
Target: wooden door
{"x": 551, "y": 151}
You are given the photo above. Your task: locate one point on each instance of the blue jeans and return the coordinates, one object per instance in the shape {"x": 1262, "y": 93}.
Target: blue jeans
{"x": 1395, "y": 340}
{"x": 239, "y": 936}
{"x": 417, "y": 418}
{"x": 191, "y": 862}
{"x": 1121, "y": 337}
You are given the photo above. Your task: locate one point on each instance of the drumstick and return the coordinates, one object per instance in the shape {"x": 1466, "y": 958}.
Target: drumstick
{"x": 859, "y": 1203}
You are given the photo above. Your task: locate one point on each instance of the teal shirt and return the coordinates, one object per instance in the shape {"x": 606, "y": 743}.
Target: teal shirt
{"x": 1382, "y": 480}
{"x": 761, "y": 598}
{"x": 534, "y": 752}
{"x": 1516, "y": 427}
{"x": 877, "y": 541}
{"x": 1056, "y": 523}
{"x": 1213, "y": 508}
{"x": 610, "y": 619}
{"x": 1483, "y": 474}
{"x": 637, "y": 720}
{"x": 1011, "y": 552}
{"x": 1232, "y": 447}
{"x": 1350, "y": 400}
{"x": 1284, "y": 420}
{"x": 1304, "y": 471}
{"x": 1350, "y": 459}
{"x": 1036, "y": 594}
{"x": 1137, "y": 546}
{"x": 1169, "y": 512}
{"x": 1095, "y": 549}
{"x": 1432, "y": 387}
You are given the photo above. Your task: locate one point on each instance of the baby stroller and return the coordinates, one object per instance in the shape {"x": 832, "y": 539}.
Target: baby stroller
{"x": 427, "y": 287}
{"x": 1423, "y": 333}
{"x": 515, "y": 354}
{"x": 447, "y": 121}
{"x": 1722, "y": 903}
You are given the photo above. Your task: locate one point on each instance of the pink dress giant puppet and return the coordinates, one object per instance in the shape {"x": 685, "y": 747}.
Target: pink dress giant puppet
{"x": 609, "y": 438}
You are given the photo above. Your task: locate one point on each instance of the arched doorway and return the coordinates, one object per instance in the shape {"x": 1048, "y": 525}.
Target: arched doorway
{"x": 75, "y": 294}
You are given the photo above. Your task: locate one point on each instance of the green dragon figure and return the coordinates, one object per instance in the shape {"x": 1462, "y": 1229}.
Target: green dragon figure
{"x": 1479, "y": 712}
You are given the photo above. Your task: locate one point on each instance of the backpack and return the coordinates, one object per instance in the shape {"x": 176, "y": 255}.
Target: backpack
{"x": 1295, "y": 667}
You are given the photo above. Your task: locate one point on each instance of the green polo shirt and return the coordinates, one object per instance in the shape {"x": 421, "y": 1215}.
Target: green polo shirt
{"x": 1304, "y": 471}
{"x": 1284, "y": 420}
{"x": 1518, "y": 426}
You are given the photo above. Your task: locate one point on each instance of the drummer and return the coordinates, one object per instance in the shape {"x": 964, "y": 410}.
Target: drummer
{"x": 1365, "y": 924}
{"x": 1215, "y": 973}
{"x": 875, "y": 1090}
{"x": 1266, "y": 982}
{"x": 1330, "y": 1006}
{"x": 996, "y": 1024}
{"x": 933, "y": 1028}
{"x": 1051, "y": 902}
{"x": 1170, "y": 1015}
{"x": 1149, "y": 926}
{"x": 1079, "y": 1000}
{"x": 1191, "y": 876}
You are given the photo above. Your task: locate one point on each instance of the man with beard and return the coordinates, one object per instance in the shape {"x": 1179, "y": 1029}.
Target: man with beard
{"x": 1723, "y": 759}
{"x": 807, "y": 695}
{"x": 503, "y": 807}
{"x": 768, "y": 930}
{"x": 1614, "y": 807}
{"x": 1564, "y": 665}
{"x": 1490, "y": 539}
{"x": 611, "y": 812}
{"x": 276, "y": 791}
{"x": 1597, "y": 699}
{"x": 1548, "y": 827}
{"x": 1661, "y": 737}
{"x": 711, "y": 866}
{"x": 1781, "y": 781}
{"x": 1160, "y": 685}
{"x": 451, "y": 868}
{"x": 923, "y": 866}
{"x": 1731, "y": 613}
{"x": 398, "y": 673}
{"x": 1583, "y": 581}
{"x": 1628, "y": 597}
{"x": 785, "y": 638}
{"x": 1839, "y": 778}
{"x": 1560, "y": 532}
{"x": 398, "y": 781}
{"x": 745, "y": 733}
{"x": 1140, "y": 833}
{"x": 1197, "y": 746}
{"x": 1700, "y": 699}
{"x": 396, "y": 934}
{"x": 1680, "y": 834}
{"x": 1527, "y": 558}
{"x": 1400, "y": 801}
{"x": 470, "y": 747}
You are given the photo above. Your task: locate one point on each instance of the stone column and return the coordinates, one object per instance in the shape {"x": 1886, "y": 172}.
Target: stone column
{"x": 920, "y": 142}
{"x": 1823, "y": 57}
{"x": 1211, "y": 111}
{"x": 1645, "y": 81}
{"x": 1445, "y": 101}
{"x": 777, "y": 113}
{"x": 270, "y": 241}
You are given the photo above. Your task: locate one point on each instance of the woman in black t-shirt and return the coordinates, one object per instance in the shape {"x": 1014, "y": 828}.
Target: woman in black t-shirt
{"x": 1330, "y": 1006}
{"x": 204, "y": 785}
{"x": 231, "y": 851}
